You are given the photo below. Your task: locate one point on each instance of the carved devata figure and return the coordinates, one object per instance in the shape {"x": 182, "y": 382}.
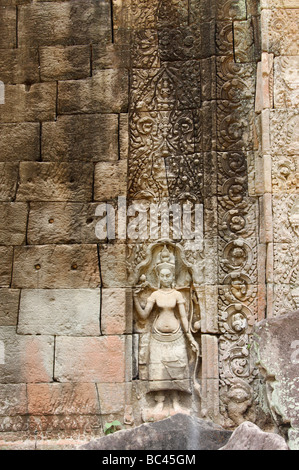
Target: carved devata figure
{"x": 167, "y": 340}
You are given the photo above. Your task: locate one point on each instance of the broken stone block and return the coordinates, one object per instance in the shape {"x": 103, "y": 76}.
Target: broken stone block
{"x": 59, "y": 312}
{"x": 249, "y": 436}
{"x": 276, "y": 342}
{"x": 180, "y": 432}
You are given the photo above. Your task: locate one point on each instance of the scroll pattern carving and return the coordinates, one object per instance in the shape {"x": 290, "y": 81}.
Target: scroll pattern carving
{"x": 191, "y": 136}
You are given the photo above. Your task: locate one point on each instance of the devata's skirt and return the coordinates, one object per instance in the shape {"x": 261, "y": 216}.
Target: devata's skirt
{"x": 168, "y": 362}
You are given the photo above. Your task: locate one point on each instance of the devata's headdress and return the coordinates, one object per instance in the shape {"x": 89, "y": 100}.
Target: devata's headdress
{"x": 165, "y": 260}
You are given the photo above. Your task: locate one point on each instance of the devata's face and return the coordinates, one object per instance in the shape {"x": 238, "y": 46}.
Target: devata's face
{"x": 166, "y": 278}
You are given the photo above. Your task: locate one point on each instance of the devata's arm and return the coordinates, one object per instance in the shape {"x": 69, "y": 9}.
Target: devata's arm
{"x": 143, "y": 312}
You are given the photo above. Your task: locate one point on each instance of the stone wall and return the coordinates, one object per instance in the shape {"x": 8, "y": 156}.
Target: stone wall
{"x": 63, "y": 134}
{"x": 153, "y": 102}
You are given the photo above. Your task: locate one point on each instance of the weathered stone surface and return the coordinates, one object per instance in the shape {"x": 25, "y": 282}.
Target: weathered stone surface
{"x": 123, "y": 135}
{"x": 105, "y": 92}
{"x": 64, "y": 63}
{"x": 35, "y": 102}
{"x": 90, "y": 359}
{"x": 19, "y": 65}
{"x": 277, "y": 345}
{"x": 286, "y": 93}
{"x": 19, "y": 142}
{"x": 69, "y": 22}
{"x": 112, "y": 397}
{"x": 7, "y": 26}
{"x": 51, "y": 181}
{"x": 13, "y": 400}
{"x": 180, "y": 432}
{"x": 8, "y": 180}
{"x": 110, "y": 180}
{"x": 113, "y": 265}
{"x": 62, "y": 399}
{"x": 107, "y": 55}
{"x": 9, "y": 306}
{"x": 248, "y": 436}
{"x": 62, "y": 222}
{"x": 59, "y": 312}
{"x": 56, "y": 266}
{"x": 13, "y": 231}
{"x": 6, "y": 254}
{"x": 91, "y": 138}
{"x": 280, "y": 28}
{"x": 116, "y": 311}
{"x": 26, "y": 358}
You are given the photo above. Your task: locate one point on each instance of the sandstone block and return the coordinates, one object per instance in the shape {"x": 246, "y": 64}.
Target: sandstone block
{"x": 13, "y": 231}
{"x": 8, "y": 180}
{"x": 62, "y": 398}
{"x": 26, "y": 358}
{"x": 9, "y": 306}
{"x": 64, "y": 63}
{"x": 70, "y": 22}
{"x": 112, "y": 397}
{"x": 123, "y": 135}
{"x": 61, "y": 222}
{"x": 7, "y": 26}
{"x": 105, "y": 92}
{"x": 90, "y": 359}
{"x": 107, "y": 55}
{"x": 19, "y": 142}
{"x": 116, "y": 312}
{"x": 29, "y": 103}
{"x": 19, "y": 65}
{"x": 113, "y": 265}
{"x": 110, "y": 180}
{"x": 56, "y": 266}
{"x": 45, "y": 181}
{"x": 13, "y": 400}
{"x": 89, "y": 137}
{"x": 6, "y": 254}
{"x": 59, "y": 312}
